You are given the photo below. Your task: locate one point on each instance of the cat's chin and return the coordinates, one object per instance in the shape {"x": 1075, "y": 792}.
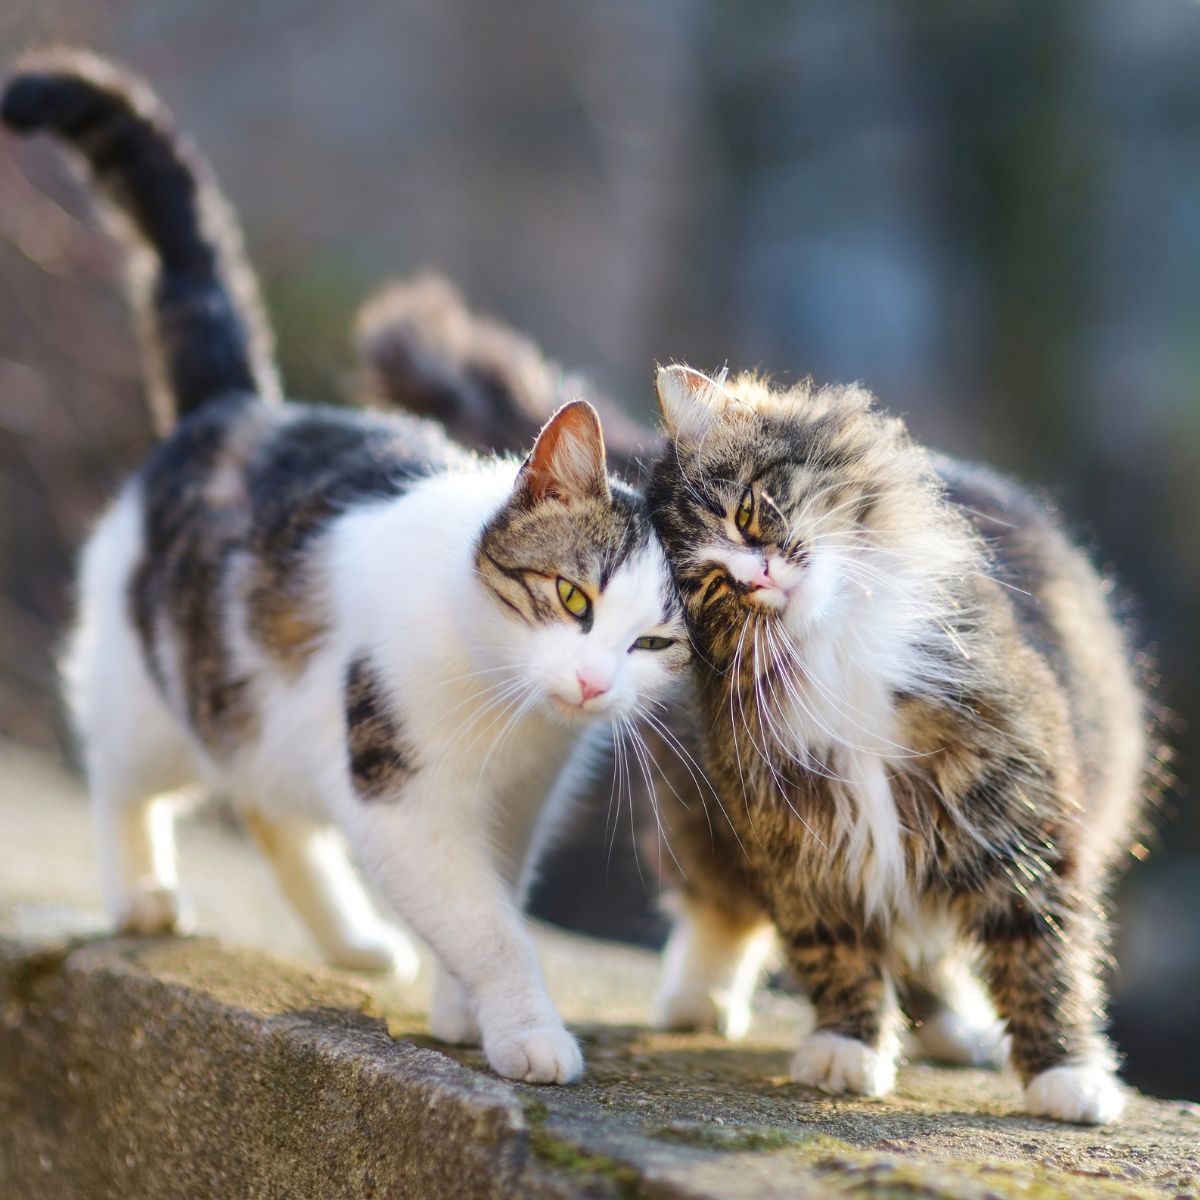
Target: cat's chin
{"x": 569, "y": 712}
{"x": 768, "y": 599}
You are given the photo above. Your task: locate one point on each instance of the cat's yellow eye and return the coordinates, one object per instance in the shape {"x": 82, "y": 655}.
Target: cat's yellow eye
{"x": 652, "y": 643}
{"x": 574, "y": 599}
{"x": 745, "y": 510}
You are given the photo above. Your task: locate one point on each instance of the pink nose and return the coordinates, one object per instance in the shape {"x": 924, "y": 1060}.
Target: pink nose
{"x": 589, "y": 689}
{"x": 763, "y": 578}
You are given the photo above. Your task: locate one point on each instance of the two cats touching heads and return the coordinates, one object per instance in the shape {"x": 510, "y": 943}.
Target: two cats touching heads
{"x": 914, "y": 747}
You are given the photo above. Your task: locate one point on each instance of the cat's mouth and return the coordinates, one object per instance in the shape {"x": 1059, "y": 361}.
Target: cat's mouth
{"x": 772, "y": 599}
{"x": 759, "y": 584}
{"x": 576, "y": 710}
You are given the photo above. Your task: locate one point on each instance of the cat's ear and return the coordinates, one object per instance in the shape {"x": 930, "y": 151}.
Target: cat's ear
{"x": 691, "y": 402}
{"x": 567, "y": 460}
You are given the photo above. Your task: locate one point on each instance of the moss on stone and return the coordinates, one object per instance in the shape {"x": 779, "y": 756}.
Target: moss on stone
{"x": 863, "y": 1173}
{"x": 742, "y": 1139}
{"x": 561, "y": 1154}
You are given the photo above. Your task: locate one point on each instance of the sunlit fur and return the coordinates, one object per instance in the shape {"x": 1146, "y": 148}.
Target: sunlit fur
{"x": 923, "y": 717}
{"x": 344, "y": 622}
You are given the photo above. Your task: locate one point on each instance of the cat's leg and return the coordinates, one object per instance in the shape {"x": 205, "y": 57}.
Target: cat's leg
{"x": 321, "y": 885}
{"x": 137, "y": 859}
{"x": 451, "y": 1015}
{"x": 1041, "y": 960}
{"x": 135, "y": 756}
{"x": 855, "y": 1042}
{"x": 720, "y": 934}
{"x": 712, "y": 963}
{"x": 953, "y": 1020}
{"x": 435, "y": 865}
{"x": 532, "y": 821}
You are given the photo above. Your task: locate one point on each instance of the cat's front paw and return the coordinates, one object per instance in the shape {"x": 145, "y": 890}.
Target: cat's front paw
{"x": 1082, "y": 1093}
{"x": 547, "y": 1055}
{"x": 148, "y": 910}
{"x": 837, "y": 1064}
{"x": 698, "y": 1008}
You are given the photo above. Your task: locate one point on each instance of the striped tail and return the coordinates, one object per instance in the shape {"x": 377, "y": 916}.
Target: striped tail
{"x": 204, "y": 331}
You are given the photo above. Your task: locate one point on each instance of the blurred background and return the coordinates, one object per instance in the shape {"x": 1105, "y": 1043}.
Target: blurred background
{"x": 988, "y": 213}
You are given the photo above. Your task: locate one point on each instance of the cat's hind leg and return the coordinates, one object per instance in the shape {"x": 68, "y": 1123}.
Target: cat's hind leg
{"x": 953, "y": 1021}
{"x": 452, "y": 1016}
{"x": 318, "y": 879}
{"x": 137, "y": 853}
{"x": 137, "y": 760}
{"x": 134, "y": 751}
{"x": 711, "y": 966}
{"x": 720, "y": 934}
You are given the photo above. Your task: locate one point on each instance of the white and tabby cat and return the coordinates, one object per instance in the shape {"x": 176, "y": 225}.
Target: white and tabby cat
{"x": 342, "y": 620}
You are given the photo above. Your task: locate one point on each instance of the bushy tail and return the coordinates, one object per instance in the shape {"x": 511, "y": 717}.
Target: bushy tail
{"x": 205, "y": 335}
{"x": 422, "y": 350}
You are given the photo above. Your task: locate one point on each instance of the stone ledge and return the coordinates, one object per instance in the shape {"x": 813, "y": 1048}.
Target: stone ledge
{"x": 169, "y": 1069}
{"x": 194, "y": 1068}
{"x": 180, "y": 1068}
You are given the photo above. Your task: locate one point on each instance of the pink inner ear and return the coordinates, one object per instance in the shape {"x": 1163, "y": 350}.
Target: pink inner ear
{"x": 568, "y": 457}
{"x": 689, "y": 400}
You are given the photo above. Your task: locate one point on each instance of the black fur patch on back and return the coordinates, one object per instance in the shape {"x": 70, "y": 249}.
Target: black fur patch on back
{"x": 319, "y": 464}
{"x": 234, "y": 501}
{"x": 180, "y": 581}
{"x": 379, "y": 759}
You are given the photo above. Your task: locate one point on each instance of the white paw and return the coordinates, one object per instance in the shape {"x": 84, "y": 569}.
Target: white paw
{"x": 1083, "y": 1093}
{"x": 950, "y": 1037}
{"x": 689, "y": 1008}
{"x": 148, "y": 909}
{"x": 454, "y": 1024}
{"x": 549, "y": 1055}
{"x": 384, "y": 950}
{"x": 837, "y": 1064}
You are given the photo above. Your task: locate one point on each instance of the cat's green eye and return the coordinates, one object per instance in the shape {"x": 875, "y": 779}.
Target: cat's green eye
{"x": 652, "y": 643}
{"x": 745, "y": 510}
{"x": 574, "y": 599}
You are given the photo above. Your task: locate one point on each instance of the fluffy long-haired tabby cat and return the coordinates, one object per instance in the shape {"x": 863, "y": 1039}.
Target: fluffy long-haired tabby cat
{"x": 925, "y": 729}
{"x": 341, "y": 620}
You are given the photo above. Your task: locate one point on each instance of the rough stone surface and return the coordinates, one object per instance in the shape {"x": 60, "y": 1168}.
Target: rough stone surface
{"x": 202, "y": 1068}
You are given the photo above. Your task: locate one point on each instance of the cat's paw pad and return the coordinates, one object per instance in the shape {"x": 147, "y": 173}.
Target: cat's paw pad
{"x": 697, "y": 1008}
{"x": 950, "y": 1037}
{"x": 838, "y": 1064}
{"x": 148, "y": 910}
{"x": 548, "y": 1055}
{"x": 1082, "y": 1093}
{"x": 454, "y": 1024}
{"x": 387, "y": 950}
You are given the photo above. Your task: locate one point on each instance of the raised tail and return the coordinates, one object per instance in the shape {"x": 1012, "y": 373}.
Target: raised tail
{"x": 205, "y": 335}
{"x": 422, "y": 350}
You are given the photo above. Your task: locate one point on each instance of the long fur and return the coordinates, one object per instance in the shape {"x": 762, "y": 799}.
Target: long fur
{"x": 423, "y": 351}
{"x": 926, "y": 718}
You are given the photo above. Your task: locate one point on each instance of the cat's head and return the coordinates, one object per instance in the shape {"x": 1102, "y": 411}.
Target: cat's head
{"x": 593, "y": 624}
{"x": 802, "y": 508}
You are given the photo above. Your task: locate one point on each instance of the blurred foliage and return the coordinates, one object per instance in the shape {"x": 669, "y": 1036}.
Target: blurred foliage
{"x": 989, "y": 213}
